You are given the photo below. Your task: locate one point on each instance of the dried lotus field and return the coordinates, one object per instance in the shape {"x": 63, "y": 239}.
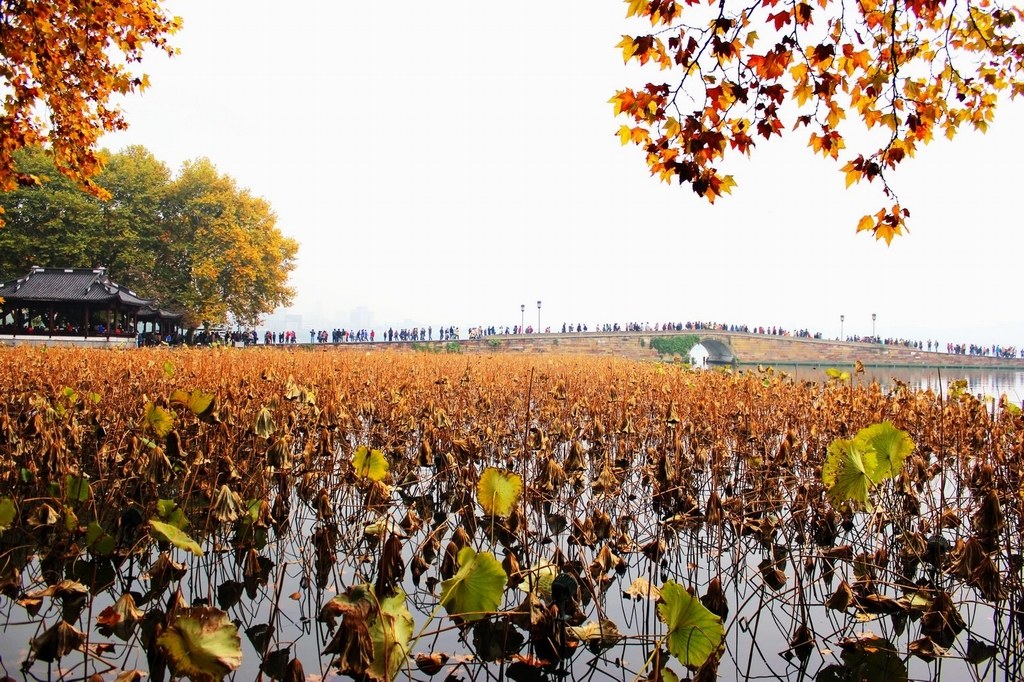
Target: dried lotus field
{"x": 288, "y": 515}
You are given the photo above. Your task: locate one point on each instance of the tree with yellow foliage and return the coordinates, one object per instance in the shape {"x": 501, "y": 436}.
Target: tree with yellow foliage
{"x": 903, "y": 70}
{"x": 195, "y": 241}
{"x": 62, "y": 62}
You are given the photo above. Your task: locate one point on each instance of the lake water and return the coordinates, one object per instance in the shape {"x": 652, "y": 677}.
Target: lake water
{"x": 983, "y": 382}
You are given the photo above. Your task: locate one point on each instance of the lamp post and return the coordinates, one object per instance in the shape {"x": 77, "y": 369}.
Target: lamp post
{"x": 522, "y": 317}
{"x": 842, "y": 318}
{"x": 538, "y": 317}
{"x": 873, "y": 316}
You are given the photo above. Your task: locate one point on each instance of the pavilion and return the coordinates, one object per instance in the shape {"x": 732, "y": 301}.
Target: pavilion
{"x": 78, "y": 302}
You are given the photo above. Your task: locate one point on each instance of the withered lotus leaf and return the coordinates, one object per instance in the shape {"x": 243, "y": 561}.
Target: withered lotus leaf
{"x": 978, "y": 652}
{"x": 641, "y": 588}
{"x": 943, "y": 622}
{"x": 925, "y": 649}
{"x": 842, "y": 598}
{"x": 227, "y": 505}
{"x": 598, "y": 636}
{"x": 714, "y": 600}
{"x": 120, "y": 617}
{"x": 431, "y": 664}
{"x": 873, "y": 658}
{"x": 772, "y": 576}
{"x": 264, "y": 425}
{"x": 696, "y": 474}
{"x": 56, "y": 642}
{"x": 801, "y": 643}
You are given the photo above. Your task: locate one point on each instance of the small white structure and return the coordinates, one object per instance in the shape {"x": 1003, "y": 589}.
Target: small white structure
{"x": 699, "y": 357}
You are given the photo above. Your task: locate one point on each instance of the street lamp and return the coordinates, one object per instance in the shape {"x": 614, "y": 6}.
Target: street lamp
{"x": 842, "y": 318}
{"x": 873, "y": 316}
{"x": 538, "y": 317}
{"x": 522, "y": 317}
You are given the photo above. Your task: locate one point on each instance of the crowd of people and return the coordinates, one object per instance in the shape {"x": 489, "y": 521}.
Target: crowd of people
{"x": 453, "y": 333}
{"x": 337, "y": 335}
{"x": 995, "y": 351}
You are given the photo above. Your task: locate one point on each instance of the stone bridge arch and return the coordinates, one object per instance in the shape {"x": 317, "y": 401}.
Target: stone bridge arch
{"x": 719, "y": 350}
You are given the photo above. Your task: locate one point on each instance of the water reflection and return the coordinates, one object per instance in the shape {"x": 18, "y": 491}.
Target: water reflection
{"x": 983, "y": 382}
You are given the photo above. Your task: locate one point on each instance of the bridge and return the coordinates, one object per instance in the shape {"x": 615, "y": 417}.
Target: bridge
{"x": 724, "y": 348}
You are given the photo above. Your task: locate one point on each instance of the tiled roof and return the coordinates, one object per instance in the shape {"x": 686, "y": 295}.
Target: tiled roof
{"x": 78, "y": 285}
{"x": 156, "y": 313}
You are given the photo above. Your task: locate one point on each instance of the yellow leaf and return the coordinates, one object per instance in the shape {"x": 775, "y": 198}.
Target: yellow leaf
{"x": 159, "y": 419}
{"x": 853, "y": 176}
{"x": 727, "y": 184}
{"x": 672, "y": 127}
{"x": 866, "y": 223}
{"x": 498, "y": 491}
{"x": 370, "y": 464}
{"x": 637, "y": 7}
{"x": 628, "y": 47}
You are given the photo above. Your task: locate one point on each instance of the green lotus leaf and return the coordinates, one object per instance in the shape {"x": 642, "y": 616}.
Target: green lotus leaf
{"x": 694, "y": 633}
{"x": 78, "y": 488}
{"x": 846, "y": 472}
{"x": 370, "y": 464}
{"x": 170, "y": 512}
{"x": 159, "y": 419}
{"x": 390, "y": 633}
{"x": 99, "y": 540}
{"x": 70, "y": 520}
{"x": 8, "y": 512}
{"x": 476, "y": 589}
{"x": 175, "y": 536}
{"x": 498, "y": 491}
{"x": 202, "y": 644}
{"x": 891, "y": 447}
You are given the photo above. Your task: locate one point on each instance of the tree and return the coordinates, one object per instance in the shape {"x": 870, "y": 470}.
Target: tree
{"x": 903, "y": 70}
{"x": 196, "y": 243}
{"x": 64, "y": 61}
{"x": 225, "y": 254}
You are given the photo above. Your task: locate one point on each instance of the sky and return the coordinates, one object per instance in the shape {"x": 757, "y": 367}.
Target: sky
{"x": 445, "y": 163}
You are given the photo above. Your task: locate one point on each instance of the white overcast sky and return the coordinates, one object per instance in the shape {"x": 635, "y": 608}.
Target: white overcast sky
{"x": 445, "y": 162}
